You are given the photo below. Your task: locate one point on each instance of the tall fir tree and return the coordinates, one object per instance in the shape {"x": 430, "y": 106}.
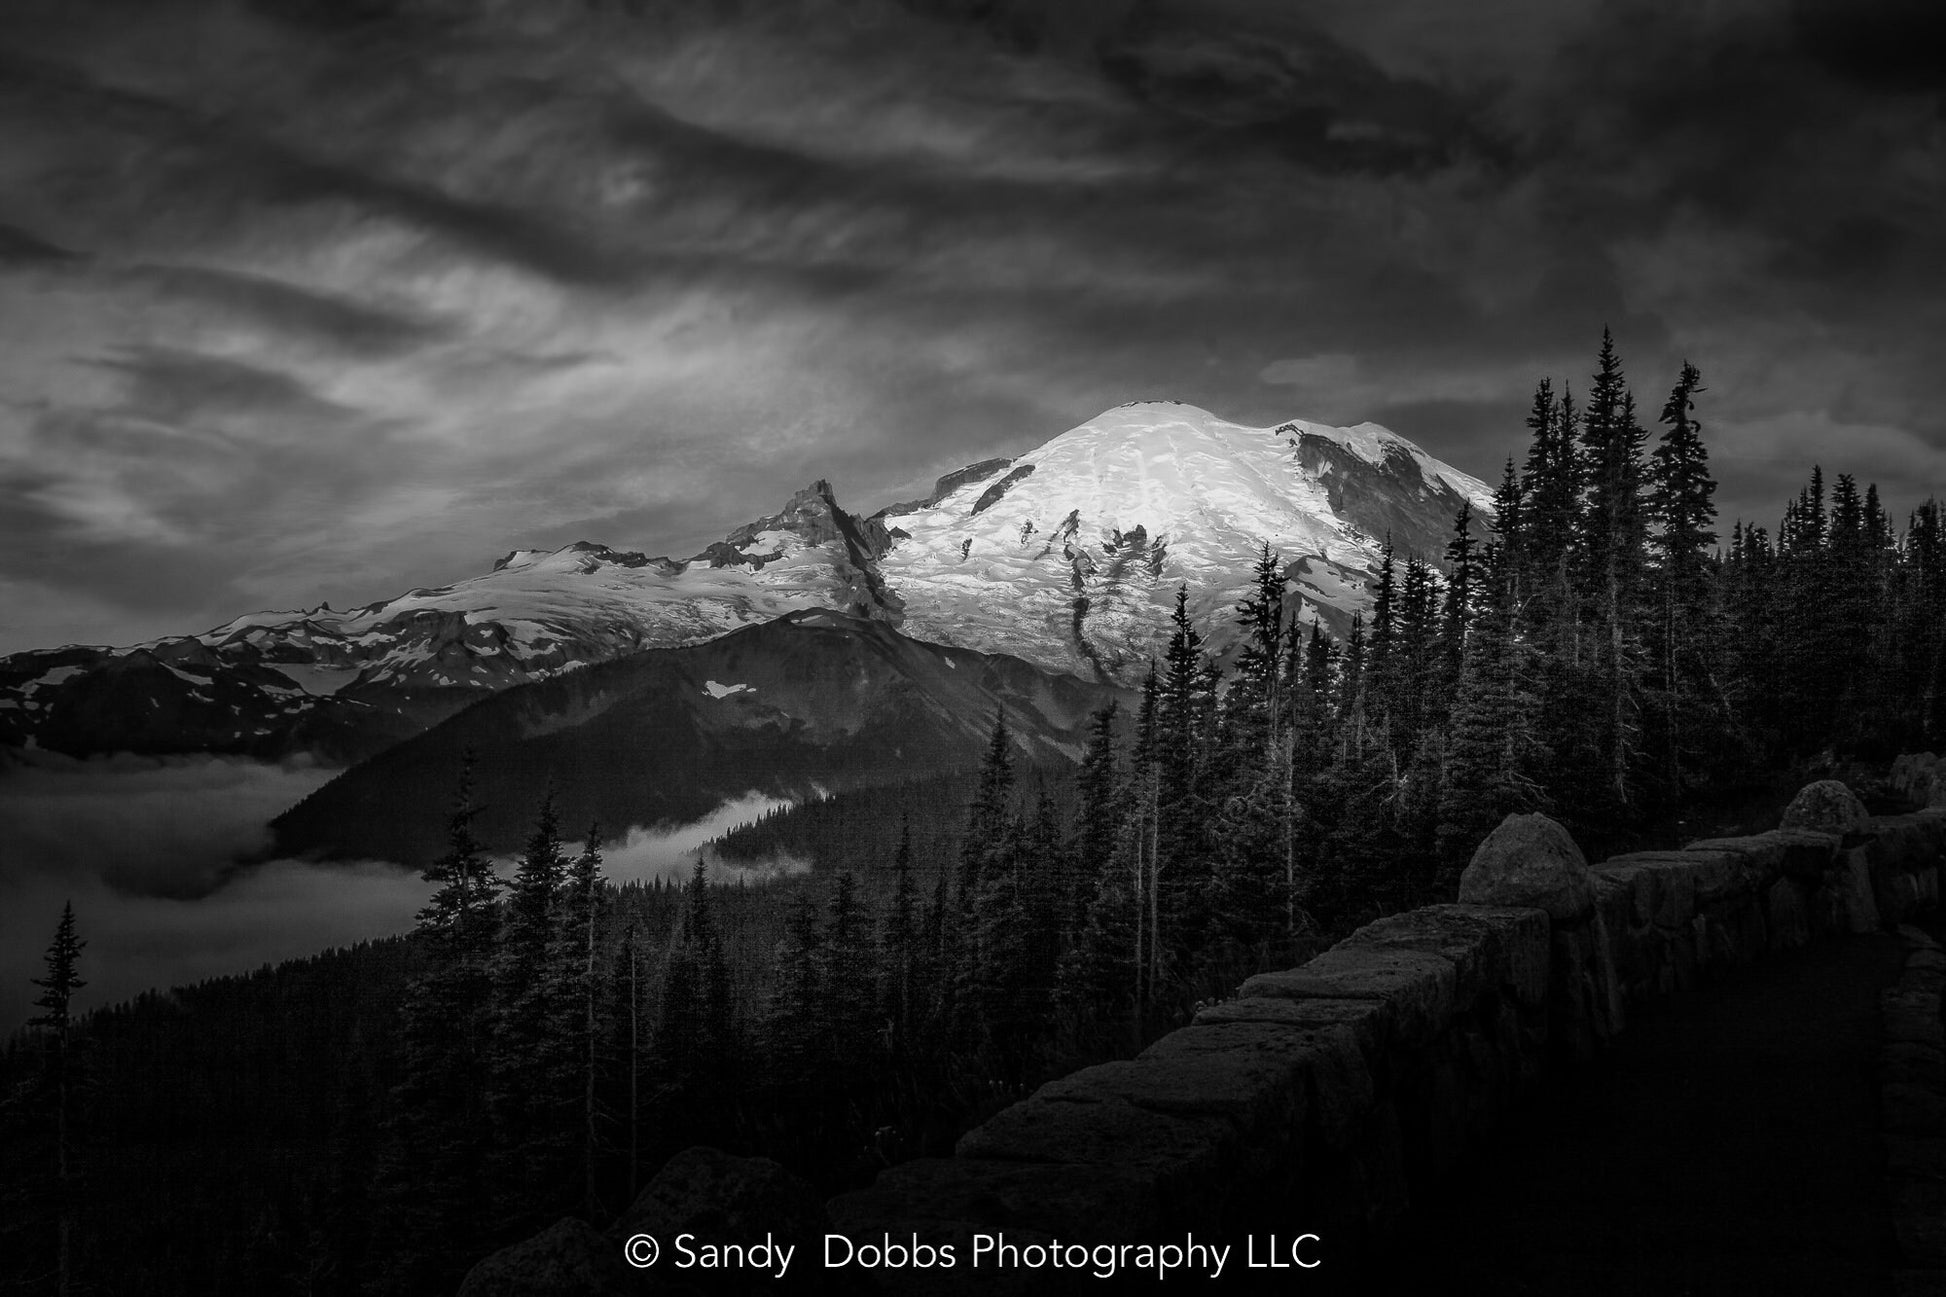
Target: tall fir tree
{"x": 847, "y": 979}
{"x": 583, "y": 1029}
{"x": 991, "y": 809}
{"x": 900, "y": 994}
{"x": 1102, "y": 806}
{"x": 532, "y": 1112}
{"x": 795, "y": 1039}
{"x": 1686, "y": 634}
{"x": 58, "y": 1086}
{"x": 1493, "y": 747}
{"x": 437, "y": 1214}
{"x": 1614, "y": 555}
{"x": 1456, "y": 612}
{"x": 1550, "y": 492}
{"x": 696, "y": 1044}
{"x": 1184, "y": 724}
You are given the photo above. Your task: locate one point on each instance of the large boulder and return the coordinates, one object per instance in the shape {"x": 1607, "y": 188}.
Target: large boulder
{"x": 1920, "y": 777}
{"x": 725, "y": 1199}
{"x": 567, "y": 1259}
{"x": 1530, "y": 861}
{"x": 1826, "y": 806}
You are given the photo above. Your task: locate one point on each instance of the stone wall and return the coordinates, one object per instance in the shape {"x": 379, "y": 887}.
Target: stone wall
{"x": 1327, "y": 1096}
{"x": 1912, "y": 1108}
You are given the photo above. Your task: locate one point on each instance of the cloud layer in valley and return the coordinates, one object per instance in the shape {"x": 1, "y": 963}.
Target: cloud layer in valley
{"x": 146, "y": 851}
{"x": 314, "y": 299}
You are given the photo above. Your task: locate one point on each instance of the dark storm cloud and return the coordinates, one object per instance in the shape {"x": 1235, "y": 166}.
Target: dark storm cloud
{"x": 429, "y": 280}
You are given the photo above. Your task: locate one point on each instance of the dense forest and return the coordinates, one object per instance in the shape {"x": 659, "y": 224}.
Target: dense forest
{"x": 374, "y": 1120}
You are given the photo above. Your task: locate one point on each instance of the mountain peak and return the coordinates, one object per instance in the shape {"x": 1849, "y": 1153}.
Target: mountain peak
{"x": 1074, "y": 555}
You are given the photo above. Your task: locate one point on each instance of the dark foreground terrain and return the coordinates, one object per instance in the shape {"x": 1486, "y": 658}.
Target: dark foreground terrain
{"x": 1727, "y": 1144}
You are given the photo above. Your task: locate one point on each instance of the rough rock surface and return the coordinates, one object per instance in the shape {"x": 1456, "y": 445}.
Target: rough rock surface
{"x": 567, "y": 1259}
{"x": 1920, "y": 776}
{"x": 1530, "y": 861}
{"x": 709, "y": 1193}
{"x": 1826, "y": 806}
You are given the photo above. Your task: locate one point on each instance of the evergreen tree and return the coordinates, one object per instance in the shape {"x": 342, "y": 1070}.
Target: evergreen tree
{"x": 1614, "y": 555}
{"x": 1381, "y": 671}
{"x": 1260, "y": 618}
{"x": 1101, "y": 972}
{"x": 434, "y": 1189}
{"x": 849, "y": 1013}
{"x": 1184, "y": 724}
{"x": 999, "y": 985}
{"x": 1511, "y": 534}
{"x": 1254, "y": 898}
{"x": 1493, "y": 747}
{"x": 532, "y": 1110}
{"x": 899, "y": 994}
{"x": 1311, "y": 720}
{"x": 934, "y": 968}
{"x": 1102, "y": 808}
{"x": 1095, "y": 982}
{"x": 59, "y": 1081}
{"x": 987, "y": 861}
{"x": 1350, "y": 704}
{"x": 1680, "y": 491}
{"x": 1146, "y": 794}
{"x": 990, "y": 812}
{"x": 696, "y": 1042}
{"x": 1417, "y": 667}
{"x": 1550, "y": 493}
{"x": 575, "y": 970}
{"x": 795, "y": 1037}
{"x": 1457, "y": 611}
{"x": 460, "y": 921}
{"x": 1048, "y": 890}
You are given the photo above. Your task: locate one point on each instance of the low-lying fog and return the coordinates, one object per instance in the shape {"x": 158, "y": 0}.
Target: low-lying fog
{"x": 143, "y": 847}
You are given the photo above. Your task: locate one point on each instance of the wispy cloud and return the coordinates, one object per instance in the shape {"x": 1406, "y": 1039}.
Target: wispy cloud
{"x": 302, "y": 308}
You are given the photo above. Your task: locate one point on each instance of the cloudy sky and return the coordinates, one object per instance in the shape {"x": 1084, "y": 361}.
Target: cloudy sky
{"x": 323, "y": 299}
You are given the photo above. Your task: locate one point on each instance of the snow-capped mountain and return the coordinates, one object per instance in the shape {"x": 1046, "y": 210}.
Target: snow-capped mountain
{"x": 1068, "y": 557}
{"x": 346, "y": 684}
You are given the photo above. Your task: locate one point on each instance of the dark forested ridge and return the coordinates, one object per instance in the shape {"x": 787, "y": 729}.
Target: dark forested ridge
{"x": 374, "y": 1120}
{"x": 812, "y": 700}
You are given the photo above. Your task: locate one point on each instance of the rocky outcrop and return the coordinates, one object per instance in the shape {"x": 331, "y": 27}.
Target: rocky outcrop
{"x": 1920, "y": 777}
{"x": 1826, "y": 806}
{"x": 945, "y": 486}
{"x": 992, "y": 495}
{"x": 723, "y": 1198}
{"x": 1530, "y": 860}
{"x": 567, "y": 1259}
{"x": 717, "y": 1198}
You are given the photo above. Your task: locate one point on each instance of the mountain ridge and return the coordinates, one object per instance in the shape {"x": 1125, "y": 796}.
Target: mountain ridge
{"x": 1068, "y": 556}
{"x": 809, "y": 702}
